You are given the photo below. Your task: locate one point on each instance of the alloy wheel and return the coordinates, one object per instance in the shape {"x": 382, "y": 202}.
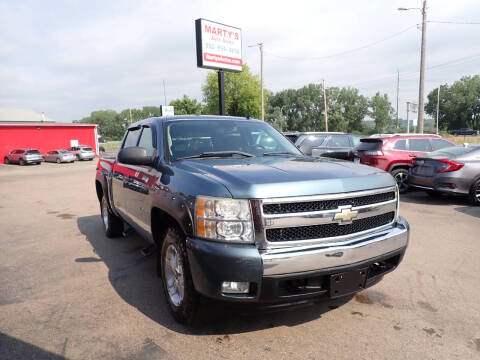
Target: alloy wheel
{"x": 105, "y": 213}
{"x": 173, "y": 269}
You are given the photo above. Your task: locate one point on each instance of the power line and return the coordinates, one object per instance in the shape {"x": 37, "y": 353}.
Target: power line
{"x": 343, "y": 52}
{"x": 454, "y": 22}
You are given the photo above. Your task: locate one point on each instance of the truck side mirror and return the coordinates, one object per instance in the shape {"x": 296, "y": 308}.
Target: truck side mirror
{"x": 135, "y": 156}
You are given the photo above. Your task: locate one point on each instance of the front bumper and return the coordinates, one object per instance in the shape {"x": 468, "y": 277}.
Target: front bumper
{"x": 293, "y": 274}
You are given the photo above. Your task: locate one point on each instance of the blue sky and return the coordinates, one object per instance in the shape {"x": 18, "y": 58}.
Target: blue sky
{"x": 68, "y": 58}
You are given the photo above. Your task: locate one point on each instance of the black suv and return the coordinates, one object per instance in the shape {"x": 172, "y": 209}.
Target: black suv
{"x": 328, "y": 144}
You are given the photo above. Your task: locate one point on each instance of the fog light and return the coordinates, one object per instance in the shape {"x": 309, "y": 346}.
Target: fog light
{"x": 234, "y": 287}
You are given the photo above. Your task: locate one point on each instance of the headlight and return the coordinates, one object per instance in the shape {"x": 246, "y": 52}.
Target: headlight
{"x": 223, "y": 219}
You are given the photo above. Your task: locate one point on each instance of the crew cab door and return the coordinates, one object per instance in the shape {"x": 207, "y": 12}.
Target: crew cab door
{"x": 138, "y": 185}
{"x": 120, "y": 174}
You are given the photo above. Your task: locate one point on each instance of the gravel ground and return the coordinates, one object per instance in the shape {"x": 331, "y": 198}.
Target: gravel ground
{"x": 67, "y": 291}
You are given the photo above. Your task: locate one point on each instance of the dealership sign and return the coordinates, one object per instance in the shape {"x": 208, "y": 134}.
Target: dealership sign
{"x": 219, "y": 46}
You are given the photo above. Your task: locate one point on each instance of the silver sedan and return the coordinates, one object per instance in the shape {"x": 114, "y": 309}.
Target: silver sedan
{"x": 59, "y": 156}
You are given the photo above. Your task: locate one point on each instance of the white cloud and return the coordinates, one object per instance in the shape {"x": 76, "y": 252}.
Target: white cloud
{"x": 70, "y": 58}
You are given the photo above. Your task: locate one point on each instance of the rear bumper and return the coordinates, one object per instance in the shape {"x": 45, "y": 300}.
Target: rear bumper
{"x": 293, "y": 275}
{"x": 86, "y": 156}
{"x": 441, "y": 182}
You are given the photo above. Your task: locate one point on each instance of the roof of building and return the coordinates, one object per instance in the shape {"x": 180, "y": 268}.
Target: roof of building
{"x": 22, "y": 115}
{"x": 46, "y": 124}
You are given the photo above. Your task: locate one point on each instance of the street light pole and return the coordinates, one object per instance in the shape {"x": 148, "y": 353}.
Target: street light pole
{"x": 422, "y": 63}
{"x": 438, "y": 105}
{"x": 422, "y": 68}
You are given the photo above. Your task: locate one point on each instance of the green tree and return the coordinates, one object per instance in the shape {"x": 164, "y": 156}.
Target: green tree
{"x": 277, "y": 119}
{"x": 242, "y": 93}
{"x": 459, "y": 104}
{"x": 110, "y": 125}
{"x": 186, "y": 106}
{"x": 381, "y": 111}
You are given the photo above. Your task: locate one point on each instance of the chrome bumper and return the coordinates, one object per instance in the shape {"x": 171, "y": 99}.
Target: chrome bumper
{"x": 316, "y": 257}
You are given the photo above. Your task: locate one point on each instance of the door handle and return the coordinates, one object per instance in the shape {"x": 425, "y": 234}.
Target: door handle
{"x": 412, "y": 155}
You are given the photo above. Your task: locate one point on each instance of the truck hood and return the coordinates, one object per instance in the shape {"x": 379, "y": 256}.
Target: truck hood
{"x": 275, "y": 176}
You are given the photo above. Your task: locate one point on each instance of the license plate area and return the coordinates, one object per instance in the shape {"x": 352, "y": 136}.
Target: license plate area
{"x": 348, "y": 282}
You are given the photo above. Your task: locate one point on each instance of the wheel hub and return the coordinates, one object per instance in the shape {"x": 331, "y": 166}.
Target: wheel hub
{"x": 173, "y": 269}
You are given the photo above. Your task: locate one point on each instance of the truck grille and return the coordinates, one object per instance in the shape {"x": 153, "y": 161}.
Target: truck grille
{"x": 307, "y": 206}
{"x": 328, "y": 230}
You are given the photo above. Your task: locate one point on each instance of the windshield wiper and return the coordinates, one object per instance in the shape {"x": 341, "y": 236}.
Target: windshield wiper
{"x": 212, "y": 154}
{"x": 280, "y": 153}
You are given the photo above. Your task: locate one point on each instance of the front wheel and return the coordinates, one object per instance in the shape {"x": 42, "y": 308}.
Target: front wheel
{"x": 400, "y": 176}
{"x": 180, "y": 293}
{"x": 475, "y": 193}
{"x": 112, "y": 224}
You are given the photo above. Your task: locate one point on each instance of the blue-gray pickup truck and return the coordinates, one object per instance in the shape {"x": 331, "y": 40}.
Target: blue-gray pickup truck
{"x": 238, "y": 213}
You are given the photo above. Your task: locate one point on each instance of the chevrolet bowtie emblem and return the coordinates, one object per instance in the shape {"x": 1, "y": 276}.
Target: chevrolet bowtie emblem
{"x": 346, "y": 215}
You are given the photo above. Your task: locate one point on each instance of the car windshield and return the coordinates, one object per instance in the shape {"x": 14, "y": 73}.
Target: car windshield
{"x": 64, "y": 151}
{"x": 187, "y": 138}
{"x": 33, "y": 152}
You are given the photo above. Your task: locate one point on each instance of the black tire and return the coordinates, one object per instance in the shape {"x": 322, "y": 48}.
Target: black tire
{"x": 183, "y": 309}
{"x": 78, "y": 158}
{"x": 400, "y": 176}
{"x": 58, "y": 161}
{"x": 6, "y": 161}
{"x": 433, "y": 193}
{"x": 474, "y": 195}
{"x": 112, "y": 224}
{"x": 21, "y": 162}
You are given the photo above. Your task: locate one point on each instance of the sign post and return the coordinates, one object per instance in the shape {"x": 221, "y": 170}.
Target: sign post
{"x": 219, "y": 47}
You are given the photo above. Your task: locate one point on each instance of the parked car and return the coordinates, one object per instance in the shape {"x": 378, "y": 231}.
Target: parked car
{"x": 233, "y": 221}
{"x": 455, "y": 170}
{"x": 83, "y": 152}
{"x": 464, "y": 131}
{"x": 395, "y": 153}
{"x": 292, "y": 135}
{"x": 59, "y": 156}
{"x": 331, "y": 144}
{"x": 23, "y": 156}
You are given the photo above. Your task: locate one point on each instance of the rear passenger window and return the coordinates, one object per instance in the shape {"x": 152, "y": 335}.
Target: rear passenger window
{"x": 438, "y": 144}
{"x": 132, "y": 137}
{"x": 400, "y": 145}
{"x": 339, "y": 141}
{"x": 146, "y": 140}
{"x": 420, "y": 145}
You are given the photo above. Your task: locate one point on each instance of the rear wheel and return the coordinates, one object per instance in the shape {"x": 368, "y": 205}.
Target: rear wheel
{"x": 475, "y": 193}
{"x": 58, "y": 161}
{"x": 400, "y": 176}
{"x": 6, "y": 161}
{"x": 180, "y": 293}
{"x": 21, "y": 162}
{"x": 112, "y": 224}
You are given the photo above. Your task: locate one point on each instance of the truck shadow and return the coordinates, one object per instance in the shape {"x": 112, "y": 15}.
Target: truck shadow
{"x": 133, "y": 276}
{"x": 12, "y": 348}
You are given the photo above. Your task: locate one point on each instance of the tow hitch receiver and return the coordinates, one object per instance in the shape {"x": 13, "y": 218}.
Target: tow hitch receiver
{"x": 347, "y": 282}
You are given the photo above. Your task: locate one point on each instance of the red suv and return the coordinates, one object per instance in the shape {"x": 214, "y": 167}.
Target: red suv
{"x": 395, "y": 153}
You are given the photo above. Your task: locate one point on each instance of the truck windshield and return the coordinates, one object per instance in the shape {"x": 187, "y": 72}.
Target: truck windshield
{"x": 187, "y": 138}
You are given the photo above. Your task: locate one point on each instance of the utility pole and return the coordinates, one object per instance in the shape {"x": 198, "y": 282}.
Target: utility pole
{"x": 261, "y": 80}
{"x": 422, "y": 63}
{"x": 422, "y": 68}
{"x": 325, "y": 105}
{"x": 438, "y": 105}
{"x": 408, "y": 121}
{"x": 260, "y": 46}
{"x": 164, "y": 94}
{"x": 398, "y": 87}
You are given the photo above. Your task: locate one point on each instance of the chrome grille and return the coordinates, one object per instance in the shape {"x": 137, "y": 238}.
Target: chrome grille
{"x": 307, "y": 206}
{"x": 328, "y": 230}
{"x": 324, "y": 218}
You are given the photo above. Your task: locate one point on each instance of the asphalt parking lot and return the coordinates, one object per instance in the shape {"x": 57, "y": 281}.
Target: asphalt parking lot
{"x": 67, "y": 291}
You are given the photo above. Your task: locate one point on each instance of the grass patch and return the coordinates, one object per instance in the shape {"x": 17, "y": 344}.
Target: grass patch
{"x": 463, "y": 139}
